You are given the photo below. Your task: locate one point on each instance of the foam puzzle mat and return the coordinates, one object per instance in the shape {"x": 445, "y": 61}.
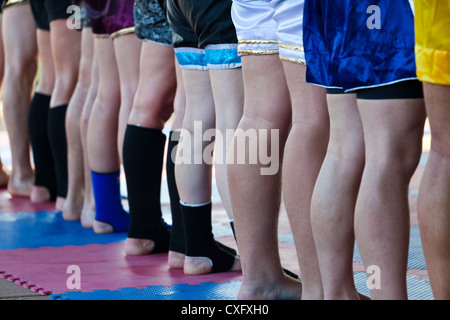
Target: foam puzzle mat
{"x": 36, "y": 249}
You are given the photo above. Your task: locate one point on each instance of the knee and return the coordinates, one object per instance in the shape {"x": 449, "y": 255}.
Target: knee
{"x": 73, "y": 120}
{"x": 153, "y": 107}
{"x": 20, "y": 68}
{"x": 314, "y": 130}
{"x": 402, "y": 158}
{"x": 66, "y": 81}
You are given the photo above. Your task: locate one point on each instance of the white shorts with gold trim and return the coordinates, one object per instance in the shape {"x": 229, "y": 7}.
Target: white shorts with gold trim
{"x": 270, "y": 27}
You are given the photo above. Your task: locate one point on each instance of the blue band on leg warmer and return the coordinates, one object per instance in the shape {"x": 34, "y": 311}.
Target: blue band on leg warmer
{"x": 108, "y": 203}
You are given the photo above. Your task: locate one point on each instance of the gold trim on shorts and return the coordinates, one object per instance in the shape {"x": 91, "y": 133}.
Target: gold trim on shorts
{"x": 292, "y": 47}
{"x": 257, "y": 41}
{"x": 257, "y": 52}
{"x": 293, "y": 60}
{"x": 10, "y": 3}
{"x": 122, "y": 32}
{"x": 101, "y": 35}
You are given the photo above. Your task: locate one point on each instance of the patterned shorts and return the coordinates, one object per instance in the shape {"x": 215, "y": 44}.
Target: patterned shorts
{"x": 150, "y": 21}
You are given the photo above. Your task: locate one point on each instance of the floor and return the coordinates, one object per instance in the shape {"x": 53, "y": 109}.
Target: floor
{"x": 172, "y": 285}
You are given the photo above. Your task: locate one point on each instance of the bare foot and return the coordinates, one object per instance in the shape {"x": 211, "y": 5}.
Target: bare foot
{"x": 138, "y": 247}
{"x": 102, "y": 227}
{"x": 60, "y": 203}
{"x": 176, "y": 260}
{"x": 203, "y": 265}
{"x": 285, "y": 288}
{"x": 20, "y": 186}
{"x": 71, "y": 210}
{"x": 87, "y": 215}
{"x": 39, "y": 194}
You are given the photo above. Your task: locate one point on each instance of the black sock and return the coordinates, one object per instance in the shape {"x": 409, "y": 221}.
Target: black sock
{"x": 177, "y": 242}
{"x": 200, "y": 240}
{"x": 45, "y": 174}
{"x": 143, "y": 156}
{"x": 58, "y": 144}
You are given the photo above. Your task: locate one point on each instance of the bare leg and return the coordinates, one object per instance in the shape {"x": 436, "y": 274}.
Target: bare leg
{"x": 4, "y": 174}
{"x": 102, "y": 130}
{"x": 152, "y": 107}
{"x": 305, "y": 150}
{"x": 75, "y": 156}
{"x": 434, "y": 194}
{"x": 66, "y": 64}
{"x": 393, "y": 131}
{"x": 194, "y": 178}
{"x": 128, "y": 51}
{"x": 19, "y": 38}
{"x": 88, "y": 210}
{"x": 45, "y": 86}
{"x": 176, "y": 259}
{"x": 179, "y": 103}
{"x": 334, "y": 198}
{"x": 103, "y": 121}
{"x": 228, "y": 90}
{"x": 255, "y": 197}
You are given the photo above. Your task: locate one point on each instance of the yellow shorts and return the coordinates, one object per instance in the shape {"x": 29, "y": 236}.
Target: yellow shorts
{"x": 432, "y": 24}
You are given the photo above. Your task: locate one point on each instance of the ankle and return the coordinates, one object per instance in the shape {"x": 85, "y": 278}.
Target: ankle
{"x": 39, "y": 194}
{"x": 176, "y": 260}
{"x": 138, "y": 247}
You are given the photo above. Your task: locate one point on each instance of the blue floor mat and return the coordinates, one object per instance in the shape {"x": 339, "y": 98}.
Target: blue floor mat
{"x": 47, "y": 229}
{"x": 205, "y": 291}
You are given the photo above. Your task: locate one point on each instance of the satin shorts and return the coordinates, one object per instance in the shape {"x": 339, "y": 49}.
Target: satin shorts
{"x": 432, "y": 21}
{"x": 110, "y": 18}
{"x": 353, "y": 45}
{"x": 270, "y": 27}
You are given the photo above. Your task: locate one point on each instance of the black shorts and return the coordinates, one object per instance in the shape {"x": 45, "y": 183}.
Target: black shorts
{"x": 204, "y": 36}
{"x": 45, "y": 11}
{"x": 200, "y": 23}
{"x": 410, "y": 89}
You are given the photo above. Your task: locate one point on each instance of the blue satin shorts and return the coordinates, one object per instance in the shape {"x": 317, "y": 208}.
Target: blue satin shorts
{"x": 353, "y": 45}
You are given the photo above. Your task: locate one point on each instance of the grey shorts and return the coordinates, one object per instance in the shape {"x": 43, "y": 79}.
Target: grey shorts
{"x": 150, "y": 21}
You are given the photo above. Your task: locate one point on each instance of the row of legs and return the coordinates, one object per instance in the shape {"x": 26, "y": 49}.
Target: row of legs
{"x": 342, "y": 181}
{"x": 354, "y": 187}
